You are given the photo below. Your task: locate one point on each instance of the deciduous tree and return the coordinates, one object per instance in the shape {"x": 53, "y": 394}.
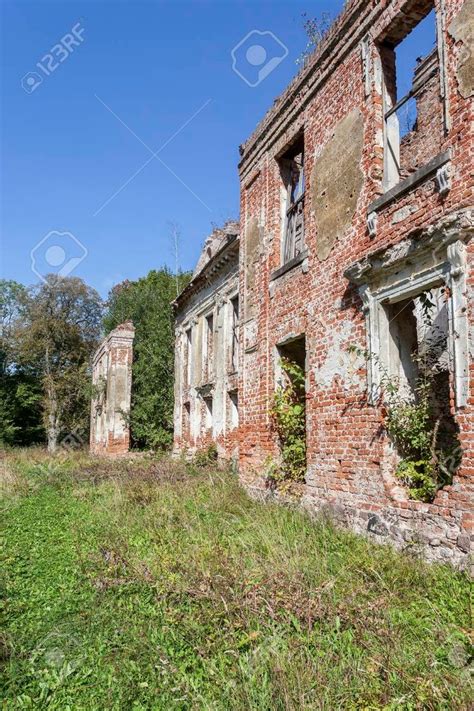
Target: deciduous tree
{"x": 58, "y": 332}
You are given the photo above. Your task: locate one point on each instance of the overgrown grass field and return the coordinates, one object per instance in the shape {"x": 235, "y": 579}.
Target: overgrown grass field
{"x": 153, "y": 585}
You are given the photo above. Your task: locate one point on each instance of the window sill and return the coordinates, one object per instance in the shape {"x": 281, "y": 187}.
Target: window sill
{"x": 295, "y": 262}
{"x": 405, "y": 185}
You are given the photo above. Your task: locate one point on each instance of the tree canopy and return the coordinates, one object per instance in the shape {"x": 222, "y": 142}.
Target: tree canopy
{"x": 49, "y": 333}
{"x": 148, "y": 303}
{"x": 20, "y": 392}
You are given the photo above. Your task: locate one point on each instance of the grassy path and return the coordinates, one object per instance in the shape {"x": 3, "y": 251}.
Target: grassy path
{"x": 161, "y": 588}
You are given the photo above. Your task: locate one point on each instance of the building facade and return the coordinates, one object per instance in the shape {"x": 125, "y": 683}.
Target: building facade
{"x": 207, "y": 349}
{"x": 112, "y": 383}
{"x": 354, "y": 215}
{"x": 355, "y": 263}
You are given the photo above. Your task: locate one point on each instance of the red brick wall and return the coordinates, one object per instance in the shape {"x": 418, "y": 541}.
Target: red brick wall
{"x": 344, "y": 436}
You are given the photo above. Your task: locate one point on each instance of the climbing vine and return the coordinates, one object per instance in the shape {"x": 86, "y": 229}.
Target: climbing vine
{"x": 289, "y": 422}
{"x": 426, "y": 463}
{"x": 429, "y": 455}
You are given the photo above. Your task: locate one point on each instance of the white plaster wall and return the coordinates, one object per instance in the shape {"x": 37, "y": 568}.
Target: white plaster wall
{"x": 215, "y": 298}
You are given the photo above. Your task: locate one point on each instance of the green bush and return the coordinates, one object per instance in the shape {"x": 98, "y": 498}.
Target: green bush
{"x": 206, "y": 456}
{"x": 418, "y": 477}
{"x": 288, "y": 414}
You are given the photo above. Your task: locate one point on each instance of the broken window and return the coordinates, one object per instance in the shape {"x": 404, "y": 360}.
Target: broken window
{"x": 292, "y": 172}
{"x": 416, "y": 312}
{"x": 413, "y": 110}
{"x": 234, "y": 409}
{"x": 418, "y": 336}
{"x": 234, "y": 349}
{"x": 208, "y": 349}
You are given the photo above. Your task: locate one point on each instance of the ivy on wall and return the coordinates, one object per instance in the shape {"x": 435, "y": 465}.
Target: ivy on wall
{"x": 288, "y": 414}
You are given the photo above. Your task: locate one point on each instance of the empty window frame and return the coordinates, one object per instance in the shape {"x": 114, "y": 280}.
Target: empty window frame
{"x": 418, "y": 330}
{"x": 208, "y": 405}
{"x": 416, "y": 358}
{"x": 234, "y": 409}
{"x": 188, "y": 356}
{"x": 413, "y": 110}
{"x": 291, "y": 375}
{"x": 186, "y": 420}
{"x": 234, "y": 345}
{"x": 292, "y": 173}
{"x": 208, "y": 348}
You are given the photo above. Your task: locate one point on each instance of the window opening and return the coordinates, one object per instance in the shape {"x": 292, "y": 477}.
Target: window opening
{"x": 292, "y": 172}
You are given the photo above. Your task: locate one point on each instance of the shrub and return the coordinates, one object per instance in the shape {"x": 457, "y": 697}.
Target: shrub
{"x": 206, "y": 457}
{"x": 288, "y": 414}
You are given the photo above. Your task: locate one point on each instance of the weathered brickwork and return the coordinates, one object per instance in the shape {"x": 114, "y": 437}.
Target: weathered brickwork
{"x": 387, "y": 217}
{"x": 334, "y": 291}
{"x": 112, "y": 380}
{"x": 207, "y": 350}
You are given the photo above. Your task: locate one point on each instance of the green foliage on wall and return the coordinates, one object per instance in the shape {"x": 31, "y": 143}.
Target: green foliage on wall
{"x": 418, "y": 418}
{"x": 289, "y": 421}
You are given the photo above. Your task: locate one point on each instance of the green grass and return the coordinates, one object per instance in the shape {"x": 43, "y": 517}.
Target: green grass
{"x": 153, "y": 586}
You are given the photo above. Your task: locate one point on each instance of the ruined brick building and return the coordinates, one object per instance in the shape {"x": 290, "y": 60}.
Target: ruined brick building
{"x": 207, "y": 348}
{"x": 112, "y": 382}
{"x": 356, "y": 211}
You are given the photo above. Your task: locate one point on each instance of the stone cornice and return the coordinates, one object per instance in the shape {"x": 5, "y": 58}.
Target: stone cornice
{"x": 451, "y": 228}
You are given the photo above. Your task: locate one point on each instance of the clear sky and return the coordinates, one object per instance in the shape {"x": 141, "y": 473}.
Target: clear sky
{"x": 132, "y": 123}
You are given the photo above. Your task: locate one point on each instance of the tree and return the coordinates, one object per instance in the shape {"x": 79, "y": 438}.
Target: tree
{"x": 58, "y": 332}
{"x": 20, "y": 392}
{"x": 147, "y": 302}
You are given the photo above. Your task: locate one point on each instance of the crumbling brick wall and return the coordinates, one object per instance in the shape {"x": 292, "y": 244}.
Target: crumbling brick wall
{"x": 112, "y": 381}
{"x": 337, "y": 103}
{"x": 425, "y": 140}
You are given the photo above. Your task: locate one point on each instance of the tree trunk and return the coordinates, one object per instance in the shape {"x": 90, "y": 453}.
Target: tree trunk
{"x": 53, "y": 431}
{"x": 52, "y": 425}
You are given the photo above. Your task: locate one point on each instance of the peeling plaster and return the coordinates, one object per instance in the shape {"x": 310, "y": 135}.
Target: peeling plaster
{"x": 252, "y": 253}
{"x": 339, "y": 362}
{"x": 462, "y": 30}
{"x": 337, "y": 180}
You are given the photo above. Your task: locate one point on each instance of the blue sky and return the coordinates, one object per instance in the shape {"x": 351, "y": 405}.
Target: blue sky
{"x": 145, "y": 77}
